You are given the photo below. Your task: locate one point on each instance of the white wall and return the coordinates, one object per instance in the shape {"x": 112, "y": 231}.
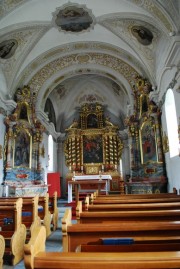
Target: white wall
{"x": 172, "y": 164}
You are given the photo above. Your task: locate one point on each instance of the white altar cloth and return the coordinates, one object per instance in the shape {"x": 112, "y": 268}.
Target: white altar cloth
{"x": 88, "y": 177}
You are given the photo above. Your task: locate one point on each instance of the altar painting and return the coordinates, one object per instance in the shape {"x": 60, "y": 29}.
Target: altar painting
{"x": 148, "y": 143}
{"x": 22, "y": 150}
{"x": 92, "y": 149}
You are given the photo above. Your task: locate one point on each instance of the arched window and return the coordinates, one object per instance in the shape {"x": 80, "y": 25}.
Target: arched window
{"x": 172, "y": 125}
{"x": 50, "y": 152}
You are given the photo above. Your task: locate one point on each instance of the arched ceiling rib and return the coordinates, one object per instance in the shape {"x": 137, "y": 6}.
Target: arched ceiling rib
{"x": 107, "y": 54}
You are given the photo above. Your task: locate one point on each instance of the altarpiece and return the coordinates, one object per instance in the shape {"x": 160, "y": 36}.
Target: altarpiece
{"x": 23, "y": 148}
{"x": 93, "y": 146}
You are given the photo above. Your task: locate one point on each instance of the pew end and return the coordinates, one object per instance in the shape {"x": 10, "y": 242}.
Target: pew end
{"x": 2, "y": 250}
{"x": 34, "y": 246}
{"x": 66, "y": 222}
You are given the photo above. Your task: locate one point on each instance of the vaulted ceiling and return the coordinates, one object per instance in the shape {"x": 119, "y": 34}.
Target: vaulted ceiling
{"x": 85, "y": 51}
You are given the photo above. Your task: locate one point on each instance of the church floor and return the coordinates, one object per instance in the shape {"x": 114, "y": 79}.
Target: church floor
{"x": 53, "y": 242}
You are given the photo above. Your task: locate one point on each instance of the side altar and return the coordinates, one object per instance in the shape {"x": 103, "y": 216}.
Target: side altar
{"x": 93, "y": 147}
{"x": 23, "y": 150}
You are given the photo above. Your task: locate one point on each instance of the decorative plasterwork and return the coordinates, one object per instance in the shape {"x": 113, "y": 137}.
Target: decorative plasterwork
{"x": 123, "y": 29}
{"x": 7, "y": 6}
{"x": 84, "y": 48}
{"x": 152, "y": 7}
{"x": 6, "y": 106}
{"x": 73, "y": 18}
{"x": 100, "y": 59}
{"x": 26, "y": 38}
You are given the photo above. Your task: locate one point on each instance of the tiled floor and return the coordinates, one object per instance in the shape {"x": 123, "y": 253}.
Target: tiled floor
{"x": 53, "y": 242}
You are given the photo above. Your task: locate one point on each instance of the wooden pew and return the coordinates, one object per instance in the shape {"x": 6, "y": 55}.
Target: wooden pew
{"x": 127, "y": 260}
{"x": 130, "y": 215}
{"x": 2, "y": 250}
{"x": 44, "y": 213}
{"x": 34, "y": 246}
{"x": 77, "y": 234}
{"x": 35, "y": 257}
{"x": 127, "y": 206}
{"x": 96, "y": 194}
{"x": 54, "y": 211}
{"x": 30, "y": 216}
{"x": 137, "y": 201}
{"x": 13, "y": 231}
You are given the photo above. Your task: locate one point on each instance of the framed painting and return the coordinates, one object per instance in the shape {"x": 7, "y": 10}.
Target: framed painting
{"x": 92, "y": 148}
{"x": 148, "y": 143}
{"x": 22, "y": 149}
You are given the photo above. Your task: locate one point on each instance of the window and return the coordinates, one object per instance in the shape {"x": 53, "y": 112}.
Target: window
{"x": 50, "y": 152}
{"x": 172, "y": 125}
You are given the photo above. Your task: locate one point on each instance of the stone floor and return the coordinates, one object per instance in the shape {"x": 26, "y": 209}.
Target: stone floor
{"x": 54, "y": 241}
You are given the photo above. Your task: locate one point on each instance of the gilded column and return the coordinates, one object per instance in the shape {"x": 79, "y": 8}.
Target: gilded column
{"x": 69, "y": 152}
{"x": 78, "y": 152}
{"x": 73, "y": 145}
{"x": 111, "y": 149}
{"x": 115, "y": 150}
{"x": 106, "y": 150}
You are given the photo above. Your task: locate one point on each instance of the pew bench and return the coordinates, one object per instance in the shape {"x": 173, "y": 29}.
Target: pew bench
{"x": 13, "y": 231}
{"x": 134, "y": 206}
{"x": 77, "y": 234}
{"x": 30, "y": 216}
{"x": 89, "y": 260}
{"x": 53, "y": 208}
{"x": 137, "y": 201}
{"x": 130, "y": 215}
{"x": 2, "y": 250}
{"x": 96, "y": 194}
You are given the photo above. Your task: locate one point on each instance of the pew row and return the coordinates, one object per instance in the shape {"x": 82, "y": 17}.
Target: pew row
{"x": 142, "y": 231}
{"x": 2, "y": 250}
{"x": 126, "y": 206}
{"x": 137, "y": 201}
{"x": 128, "y": 215}
{"x": 135, "y": 196}
{"x": 13, "y": 231}
{"x": 35, "y": 211}
{"x": 30, "y": 216}
{"x": 89, "y": 260}
{"x": 35, "y": 257}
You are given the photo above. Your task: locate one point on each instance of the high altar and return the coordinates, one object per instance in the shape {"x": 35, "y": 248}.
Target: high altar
{"x": 23, "y": 149}
{"x": 93, "y": 147}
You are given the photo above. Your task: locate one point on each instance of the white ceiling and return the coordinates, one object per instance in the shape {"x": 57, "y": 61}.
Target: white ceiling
{"x": 100, "y": 63}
